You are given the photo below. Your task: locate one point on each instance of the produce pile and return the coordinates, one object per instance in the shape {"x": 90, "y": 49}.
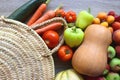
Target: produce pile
{"x": 91, "y": 43}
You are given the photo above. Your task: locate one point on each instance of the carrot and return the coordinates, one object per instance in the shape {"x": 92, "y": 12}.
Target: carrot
{"x": 48, "y": 15}
{"x": 38, "y": 13}
{"x": 52, "y": 26}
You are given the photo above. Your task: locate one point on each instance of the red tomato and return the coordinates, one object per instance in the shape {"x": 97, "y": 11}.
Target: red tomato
{"x": 51, "y": 38}
{"x": 60, "y": 13}
{"x": 65, "y": 53}
{"x": 70, "y": 16}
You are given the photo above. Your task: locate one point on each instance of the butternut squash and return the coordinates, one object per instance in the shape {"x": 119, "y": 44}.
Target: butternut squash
{"x": 90, "y": 58}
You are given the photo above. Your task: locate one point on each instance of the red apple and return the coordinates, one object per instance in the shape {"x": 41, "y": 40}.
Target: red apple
{"x": 101, "y": 78}
{"x": 117, "y": 18}
{"x": 116, "y": 25}
{"x": 116, "y": 36}
{"x": 117, "y": 49}
{"x": 90, "y": 78}
{"x": 111, "y": 13}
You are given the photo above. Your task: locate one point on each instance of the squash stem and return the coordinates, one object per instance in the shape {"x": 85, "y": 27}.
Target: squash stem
{"x": 47, "y": 2}
{"x": 89, "y": 10}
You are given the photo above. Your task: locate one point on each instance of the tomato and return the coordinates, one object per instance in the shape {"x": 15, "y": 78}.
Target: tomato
{"x": 65, "y": 53}
{"x": 70, "y": 16}
{"x": 51, "y": 38}
{"x": 60, "y": 13}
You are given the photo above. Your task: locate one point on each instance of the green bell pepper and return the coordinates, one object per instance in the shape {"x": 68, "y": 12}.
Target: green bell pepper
{"x": 84, "y": 19}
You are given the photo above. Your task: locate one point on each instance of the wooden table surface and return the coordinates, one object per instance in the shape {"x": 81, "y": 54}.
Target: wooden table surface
{"x": 8, "y": 6}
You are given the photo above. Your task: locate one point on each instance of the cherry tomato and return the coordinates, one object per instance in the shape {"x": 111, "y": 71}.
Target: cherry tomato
{"x": 60, "y": 13}
{"x": 70, "y": 16}
{"x": 65, "y": 53}
{"x": 51, "y": 38}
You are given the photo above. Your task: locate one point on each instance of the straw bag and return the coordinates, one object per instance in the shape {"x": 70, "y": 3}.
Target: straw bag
{"x": 23, "y": 53}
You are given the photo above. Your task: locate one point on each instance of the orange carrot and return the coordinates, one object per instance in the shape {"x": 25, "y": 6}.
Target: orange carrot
{"x": 52, "y": 26}
{"x": 48, "y": 15}
{"x": 38, "y": 13}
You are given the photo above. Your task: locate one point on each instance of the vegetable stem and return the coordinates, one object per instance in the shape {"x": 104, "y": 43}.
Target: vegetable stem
{"x": 89, "y": 10}
{"x": 71, "y": 24}
{"x": 59, "y": 7}
{"x": 67, "y": 51}
{"x": 47, "y": 2}
{"x": 74, "y": 29}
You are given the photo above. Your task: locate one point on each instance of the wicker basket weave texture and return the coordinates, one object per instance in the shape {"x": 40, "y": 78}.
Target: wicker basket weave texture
{"x": 23, "y": 53}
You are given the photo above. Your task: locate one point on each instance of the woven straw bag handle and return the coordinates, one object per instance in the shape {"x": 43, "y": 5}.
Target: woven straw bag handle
{"x": 56, "y": 19}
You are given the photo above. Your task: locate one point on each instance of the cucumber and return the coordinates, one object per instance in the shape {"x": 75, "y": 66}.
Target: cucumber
{"x": 26, "y": 10}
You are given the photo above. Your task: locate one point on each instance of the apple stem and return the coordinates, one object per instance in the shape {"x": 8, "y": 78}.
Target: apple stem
{"x": 74, "y": 29}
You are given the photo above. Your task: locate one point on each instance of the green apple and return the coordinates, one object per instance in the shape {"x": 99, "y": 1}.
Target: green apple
{"x": 111, "y": 52}
{"x": 73, "y": 36}
{"x": 106, "y": 71}
{"x": 115, "y": 64}
{"x": 113, "y": 76}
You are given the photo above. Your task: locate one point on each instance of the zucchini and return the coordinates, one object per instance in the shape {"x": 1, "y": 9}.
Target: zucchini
{"x": 26, "y": 10}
